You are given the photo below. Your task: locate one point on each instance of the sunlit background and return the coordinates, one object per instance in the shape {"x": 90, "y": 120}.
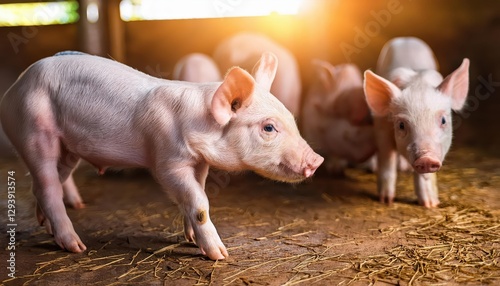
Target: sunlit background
{"x": 41, "y": 13}
{"x": 151, "y": 35}
{"x": 65, "y": 12}
{"x": 132, "y": 10}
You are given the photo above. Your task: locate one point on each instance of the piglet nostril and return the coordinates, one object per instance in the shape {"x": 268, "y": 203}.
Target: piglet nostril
{"x": 314, "y": 161}
{"x": 308, "y": 172}
{"x": 427, "y": 164}
{"x": 435, "y": 166}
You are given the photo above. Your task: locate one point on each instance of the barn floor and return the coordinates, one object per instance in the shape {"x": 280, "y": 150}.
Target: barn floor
{"x": 328, "y": 231}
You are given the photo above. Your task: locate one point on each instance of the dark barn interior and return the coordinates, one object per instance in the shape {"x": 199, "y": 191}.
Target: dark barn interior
{"x": 328, "y": 230}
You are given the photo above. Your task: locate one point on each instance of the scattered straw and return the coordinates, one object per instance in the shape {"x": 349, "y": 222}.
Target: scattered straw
{"x": 464, "y": 248}
{"x": 449, "y": 245}
{"x": 106, "y": 264}
{"x": 166, "y": 248}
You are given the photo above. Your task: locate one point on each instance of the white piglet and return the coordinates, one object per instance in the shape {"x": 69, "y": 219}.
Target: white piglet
{"x": 244, "y": 50}
{"x": 75, "y": 106}
{"x": 412, "y": 105}
{"x": 335, "y": 118}
{"x": 196, "y": 67}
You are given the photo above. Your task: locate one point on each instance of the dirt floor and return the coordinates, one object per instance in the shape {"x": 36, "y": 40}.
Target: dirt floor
{"x": 328, "y": 231}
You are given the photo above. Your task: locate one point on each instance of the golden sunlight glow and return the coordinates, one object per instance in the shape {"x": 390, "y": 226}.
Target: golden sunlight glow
{"x": 134, "y": 10}
{"x": 41, "y": 13}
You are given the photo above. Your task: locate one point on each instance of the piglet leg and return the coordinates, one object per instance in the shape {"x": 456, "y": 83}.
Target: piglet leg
{"x": 426, "y": 189}
{"x": 41, "y": 155}
{"x": 184, "y": 186}
{"x": 67, "y": 164}
{"x": 201, "y": 173}
{"x": 71, "y": 196}
{"x": 387, "y": 175}
{"x": 387, "y": 160}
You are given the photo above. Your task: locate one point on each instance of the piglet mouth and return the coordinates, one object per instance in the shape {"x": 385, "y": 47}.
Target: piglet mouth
{"x": 290, "y": 174}
{"x": 294, "y": 166}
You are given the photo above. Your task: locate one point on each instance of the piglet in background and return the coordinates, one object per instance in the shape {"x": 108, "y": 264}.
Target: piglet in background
{"x": 245, "y": 49}
{"x": 196, "y": 67}
{"x": 335, "y": 117}
{"x": 412, "y": 105}
{"x": 75, "y": 106}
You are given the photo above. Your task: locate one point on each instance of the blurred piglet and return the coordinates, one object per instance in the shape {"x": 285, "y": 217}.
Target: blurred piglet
{"x": 76, "y": 106}
{"x": 196, "y": 67}
{"x": 412, "y": 105}
{"x": 335, "y": 118}
{"x": 244, "y": 50}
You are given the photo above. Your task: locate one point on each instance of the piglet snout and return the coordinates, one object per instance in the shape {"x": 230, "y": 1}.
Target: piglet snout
{"x": 427, "y": 164}
{"x": 312, "y": 162}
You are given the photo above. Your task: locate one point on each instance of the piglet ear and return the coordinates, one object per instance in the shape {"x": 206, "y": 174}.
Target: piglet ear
{"x": 264, "y": 70}
{"x": 456, "y": 85}
{"x": 325, "y": 72}
{"x": 379, "y": 93}
{"x": 234, "y": 94}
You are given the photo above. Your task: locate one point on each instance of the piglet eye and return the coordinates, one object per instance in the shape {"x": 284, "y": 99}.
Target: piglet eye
{"x": 401, "y": 126}
{"x": 443, "y": 120}
{"x": 269, "y": 128}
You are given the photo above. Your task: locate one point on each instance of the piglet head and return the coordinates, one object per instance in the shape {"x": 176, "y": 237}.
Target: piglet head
{"x": 419, "y": 104}
{"x": 260, "y": 133}
{"x": 342, "y": 87}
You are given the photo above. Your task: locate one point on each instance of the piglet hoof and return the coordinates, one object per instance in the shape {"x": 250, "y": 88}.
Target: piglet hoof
{"x": 219, "y": 253}
{"x": 75, "y": 205}
{"x": 429, "y": 203}
{"x": 78, "y": 206}
{"x": 74, "y": 202}
{"x": 48, "y": 227}
{"x": 427, "y": 190}
{"x": 42, "y": 221}
{"x": 386, "y": 193}
{"x": 71, "y": 242}
{"x": 388, "y": 200}
{"x": 209, "y": 241}
{"x": 188, "y": 231}
{"x": 190, "y": 236}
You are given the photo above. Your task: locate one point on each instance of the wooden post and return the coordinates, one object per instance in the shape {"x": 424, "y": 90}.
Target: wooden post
{"x": 93, "y": 27}
{"x": 116, "y": 32}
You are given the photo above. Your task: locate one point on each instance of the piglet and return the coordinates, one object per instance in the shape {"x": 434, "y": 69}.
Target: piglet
{"x": 74, "y": 106}
{"x": 196, "y": 67}
{"x": 244, "y": 50}
{"x": 335, "y": 117}
{"x": 412, "y": 105}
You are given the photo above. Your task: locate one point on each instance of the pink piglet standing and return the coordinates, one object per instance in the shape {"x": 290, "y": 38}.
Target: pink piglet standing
{"x": 76, "y": 106}
{"x": 412, "y": 106}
